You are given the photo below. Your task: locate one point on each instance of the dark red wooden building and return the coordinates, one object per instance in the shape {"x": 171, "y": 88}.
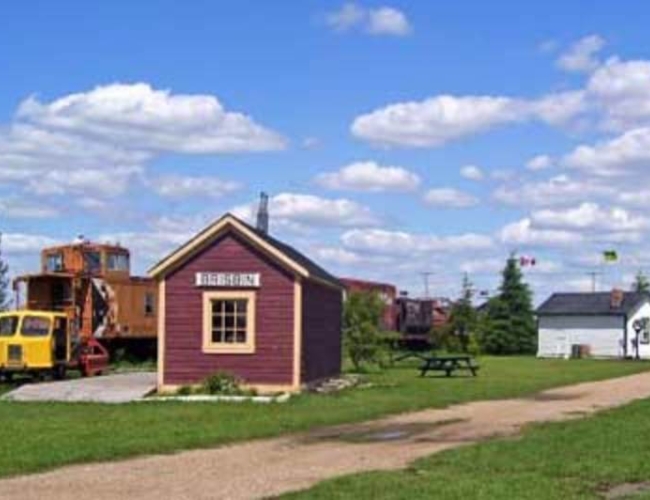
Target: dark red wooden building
{"x": 235, "y": 299}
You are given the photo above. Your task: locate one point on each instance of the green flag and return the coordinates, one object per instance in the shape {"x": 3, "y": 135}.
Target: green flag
{"x": 610, "y": 256}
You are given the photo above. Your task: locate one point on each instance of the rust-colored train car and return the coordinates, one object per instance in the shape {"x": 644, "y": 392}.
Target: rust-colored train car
{"x": 387, "y": 292}
{"x": 92, "y": 283}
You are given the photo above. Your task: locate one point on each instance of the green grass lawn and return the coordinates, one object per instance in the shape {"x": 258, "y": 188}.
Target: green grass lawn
{"x": 570, "y": 460}
{"x": 37, "y": 436}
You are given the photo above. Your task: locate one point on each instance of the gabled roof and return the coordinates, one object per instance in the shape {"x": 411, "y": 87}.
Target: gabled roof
{"x": 286, "y": 255}
{"x": 590, "y": 304}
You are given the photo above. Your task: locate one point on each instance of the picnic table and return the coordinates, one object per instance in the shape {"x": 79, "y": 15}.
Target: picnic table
{"x": 448, "y": 364}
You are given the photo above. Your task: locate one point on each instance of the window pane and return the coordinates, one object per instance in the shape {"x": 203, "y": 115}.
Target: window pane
{"x": 54, "y": 262}
{"x": 93, "y": 262}
{"x": 117, "y": 262}
{"x": 34, "y": 326}
{"x": 230, "y": 321}
{"x": 216, "y": 335}
{"x": 229, "y": 336}
{"x": 241, "y": 336}
{"x": 230, "y": 306}
{"x": 8, "y": 325}
{"x": 241, "y": 321}
{"x": 217, "y": 306}
{"x": 241, "y": 306}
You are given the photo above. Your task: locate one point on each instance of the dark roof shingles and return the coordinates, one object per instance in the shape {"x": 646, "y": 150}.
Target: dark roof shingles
{"x": 592, "y": 304}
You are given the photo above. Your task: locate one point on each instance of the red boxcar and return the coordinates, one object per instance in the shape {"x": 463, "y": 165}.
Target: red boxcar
{"x": 235, "y": 299}
{"x": 387, "y": 292}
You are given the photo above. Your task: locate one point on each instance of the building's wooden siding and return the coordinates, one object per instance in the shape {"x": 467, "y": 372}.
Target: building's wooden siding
{"x": 272, "y": 362}
{"x": 321, "y": 340}
{"x": 603, "y": 334}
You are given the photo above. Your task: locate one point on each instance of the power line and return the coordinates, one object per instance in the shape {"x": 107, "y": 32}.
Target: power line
{"x": 594, "y": 275}
{"x": 426, "y": 275}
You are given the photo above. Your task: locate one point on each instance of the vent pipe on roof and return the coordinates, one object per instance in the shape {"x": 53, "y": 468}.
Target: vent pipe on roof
{"x": 263, "y": 214}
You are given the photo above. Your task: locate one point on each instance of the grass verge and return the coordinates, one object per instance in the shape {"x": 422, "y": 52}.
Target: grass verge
{"x": 37, "y": 436}
{"x": 570, "y": 460}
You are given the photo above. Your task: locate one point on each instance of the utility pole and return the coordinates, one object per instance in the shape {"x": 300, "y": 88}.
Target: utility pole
{"x": 594, "y": 275}
{"x": 426, "y": 275}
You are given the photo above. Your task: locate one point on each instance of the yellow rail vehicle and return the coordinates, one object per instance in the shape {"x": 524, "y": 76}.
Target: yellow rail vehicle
{"x": 43, "y": 342}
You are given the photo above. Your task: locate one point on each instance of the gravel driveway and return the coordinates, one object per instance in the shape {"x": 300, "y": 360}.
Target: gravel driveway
{"x": 269, "y": 467}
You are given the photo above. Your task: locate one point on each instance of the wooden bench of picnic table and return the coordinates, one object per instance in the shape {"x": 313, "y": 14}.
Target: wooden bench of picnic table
{"x": 449, "y": 364}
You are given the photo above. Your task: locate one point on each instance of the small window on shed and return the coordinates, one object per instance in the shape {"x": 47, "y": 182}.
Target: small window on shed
{"x": 149, "y": 304}
{"x": 229, "y": 322}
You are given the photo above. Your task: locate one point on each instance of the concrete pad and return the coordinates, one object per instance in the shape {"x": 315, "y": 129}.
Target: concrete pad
{"x": 121, "y": 388}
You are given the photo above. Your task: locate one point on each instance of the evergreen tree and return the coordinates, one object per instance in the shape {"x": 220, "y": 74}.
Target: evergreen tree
{"x": 641, "y": 283}
{"x": 510, "y": 324}
{"x": 5, "y": 293}
{"x": 463, "y": 318}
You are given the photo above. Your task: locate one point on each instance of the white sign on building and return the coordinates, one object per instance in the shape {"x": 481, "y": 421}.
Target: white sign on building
{"x": 229, "y": 280}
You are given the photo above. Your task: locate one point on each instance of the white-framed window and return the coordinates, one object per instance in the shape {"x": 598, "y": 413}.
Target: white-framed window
{"x": 229, "y": 322}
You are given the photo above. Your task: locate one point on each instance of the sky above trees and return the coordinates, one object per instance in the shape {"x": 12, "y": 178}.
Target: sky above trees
{"x": 393, "y": 138}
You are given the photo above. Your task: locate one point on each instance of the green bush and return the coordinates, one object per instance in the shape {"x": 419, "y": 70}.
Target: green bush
{"x": 223, "y": 383}
{"x": 185, "y": 390}
{"x": 362, "y": 338}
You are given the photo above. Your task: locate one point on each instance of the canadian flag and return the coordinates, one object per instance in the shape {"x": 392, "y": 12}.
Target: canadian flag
{"x": 527, "y": 260}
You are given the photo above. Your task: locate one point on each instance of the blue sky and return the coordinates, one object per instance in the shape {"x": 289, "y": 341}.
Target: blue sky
{"x": 393, "y": 137}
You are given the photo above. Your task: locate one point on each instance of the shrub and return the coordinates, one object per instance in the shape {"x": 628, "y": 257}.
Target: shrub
{"x": 361, "y": 328}
{"x": 185, "y": 390}
{"x": 223, "y": 383}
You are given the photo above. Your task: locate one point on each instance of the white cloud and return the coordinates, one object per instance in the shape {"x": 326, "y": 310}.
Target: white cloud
{"x": 620, "y": 90}
{"x": 97, "y": 143}
{"x": 622, "y": 155}
{"x": 380, "y": 21}
{"x": 369, "y": 176}
{"x": 17, "y": 208}
{"x": 380, "y": 241}
{"x": 581, "y": 56}
{"x": 523, "y": 233}
{"x": 303, "y": 212}
{"x": 444, "y": 118}
{"x": 450, "y": 198}
{"x": 556, "y": 191}
{"x": 590, "y": 216}
{"x": 472, "y": 172}
{"x": 179, "y": 186}
{"x": 137, "y": 116}
{"x": 539, "y": 162}
{"x": 336, "y": 255}
{"x": 23, "y": 243}
{"x": 435, "y": 121}
{"x": 388, "y": 21}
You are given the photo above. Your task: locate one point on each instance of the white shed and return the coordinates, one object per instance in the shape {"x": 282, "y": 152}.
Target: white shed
{"x": 612, "y": 324}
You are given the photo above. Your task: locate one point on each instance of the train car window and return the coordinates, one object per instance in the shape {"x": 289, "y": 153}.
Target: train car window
{"x": 35, "y": 326}
{"x": 92, "y": 262}
{"x": 54, "y": 262}
{"x": 149, "y": 301}
{"x": 8, "y": 326}
{"x": 117, "y": 262}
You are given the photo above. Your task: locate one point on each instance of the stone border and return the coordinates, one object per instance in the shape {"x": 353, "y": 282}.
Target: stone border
{"x": 215, "y": 398}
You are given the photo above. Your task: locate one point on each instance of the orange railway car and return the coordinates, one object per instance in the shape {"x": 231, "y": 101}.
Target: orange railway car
{"x": 92, "y": 284}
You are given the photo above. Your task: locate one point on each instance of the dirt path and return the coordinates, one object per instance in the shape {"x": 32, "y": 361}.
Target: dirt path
{"x": 269, "y": 467}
